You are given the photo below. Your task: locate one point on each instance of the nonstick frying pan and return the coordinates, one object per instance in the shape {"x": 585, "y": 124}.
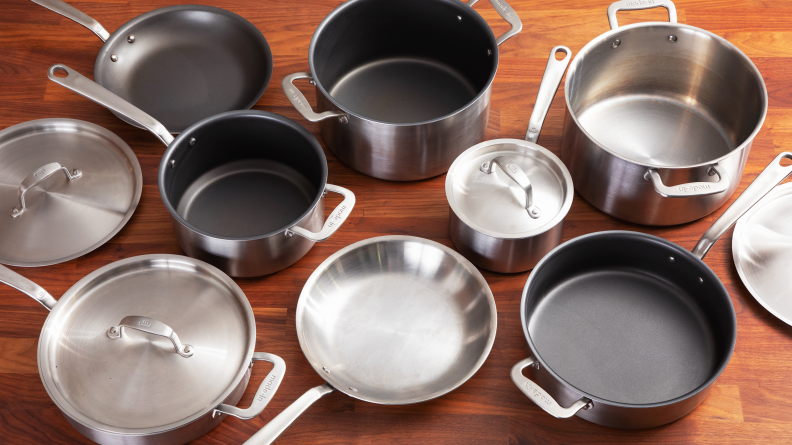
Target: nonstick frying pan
{"x": 629, "y": 330}
{"x": 180, "y": 64}
{"x": 392, "y": 320}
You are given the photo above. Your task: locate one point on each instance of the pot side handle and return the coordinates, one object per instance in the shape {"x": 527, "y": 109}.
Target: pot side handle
{"x": 634, "y": 5}
{"x": 299, "y": 101}
{"x": 278, "y": 425}
{"x": 264, "y": 394}
{"x": 29, "y": 288}
{"x": 770, "y": 177}
{"x": 508, "y": 14}
{"x": 540, "y": 396}
{"x": 72, "y": 13}
{"x": 691, "y": 188}
{"x": 334, "y": 221}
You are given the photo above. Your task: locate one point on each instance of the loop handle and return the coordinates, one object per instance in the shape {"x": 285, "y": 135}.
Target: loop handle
{"x": 150, "y": 326}
{"x": 691, "y": 188}
{"x": 334, "y": 221}
{"x": 299, "y": 101}
{"x": 540, "y": 396}
{"x": 634, "y": 5}
{"x": 36, "y": 178}
{"x": 517, "y": 175}
{"x": 508, "y": 14}
{"x": 265, "y": 392}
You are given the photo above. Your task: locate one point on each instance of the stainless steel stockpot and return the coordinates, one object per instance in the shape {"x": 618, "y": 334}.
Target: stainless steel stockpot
{"x": 506, "y": 219}
{"x": 153, "y": 349}
{"x": 402, "y": 87}
{"x": 660, "y": 119}
{"x": 238, "y": 185}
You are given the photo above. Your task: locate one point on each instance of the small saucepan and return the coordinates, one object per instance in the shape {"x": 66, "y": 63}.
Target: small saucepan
{"x": 238, "y": 185}
{"x": 506, "y": 219}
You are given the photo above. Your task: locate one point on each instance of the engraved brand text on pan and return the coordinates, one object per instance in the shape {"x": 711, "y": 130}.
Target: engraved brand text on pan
{"x": 504, "y": 8}
{"x": 693, "y": 188}
{"x": 336, "y": 216}
{"x": 145, "y": 323}
{"x": 641, "y": 2}
{"x": 538, "y": 395}
{"x": 39, "y": 172}
{"x": 267, "y": 387}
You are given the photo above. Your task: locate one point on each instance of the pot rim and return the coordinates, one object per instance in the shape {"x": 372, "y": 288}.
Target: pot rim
{"x": 455, "y": 3}
{"x": 557, "y": 219}
{"x": 68, "y": 410}
{"x": 605, "y": 37}
{"x": 571, "y": 244}
{"x": 169, "y": 153}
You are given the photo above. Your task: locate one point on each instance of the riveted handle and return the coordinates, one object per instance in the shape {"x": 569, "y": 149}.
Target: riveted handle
{"x": 634, "y": 5}
{"x": 770, "y": 177}
{"x": 151, "y": 326}
{"x": 299, "y": 101}
{"x": 517, "y": 175}
{"x": 278, "y": 425}
{"x": 334, "y": 221}
{"x": 104, "y": 97}
{"x": 691, "y": 188}
{"x": 554, "y": 72}
{"x": 36, "y": 178}
{"x": 508, "y": 14}
{"x": 27, "y": 287}
{"x": 265, "y": 392}
{"x": 72, "y": 13}
{"x": 540, "y": 396}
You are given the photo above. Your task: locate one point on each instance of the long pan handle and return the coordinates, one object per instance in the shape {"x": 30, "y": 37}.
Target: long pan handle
{"x": 29, "y": 288}
{"x": 770, "y": 177}
{"x": 99, "y": 94}
{"x": 554, "y": 72}
{"x": 278, "y": 425}
{"x": 72, "y": 13}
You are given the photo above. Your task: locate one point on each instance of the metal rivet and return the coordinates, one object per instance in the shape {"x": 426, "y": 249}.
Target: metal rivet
{"x": 76, "y": 173}
{"x": 113, "y": 57}
{"x": 459, "y": 18}
{"x": 671, "y": 259}
{"x": 312, "y": 82}
{"x": 616, "y": 43}
{"x": 289, "y": 234}
{"x": 192, "y": 142}
{"x": 343, "y": 119}
{"x": 172, "y": 162}
{"x": 701, "y": 280}
{"x": 489, "y": 52}
{"x": 589, "y": 406}
{"x": 131, "y": 38}
{"x": 14, "y": 211}
{"x": 113, "y": 330}
{"x": 187, "y": 349}
{"x": 672, "y": 39}
{"x": 325, "y": 370}
{"x": 353, "y": 389}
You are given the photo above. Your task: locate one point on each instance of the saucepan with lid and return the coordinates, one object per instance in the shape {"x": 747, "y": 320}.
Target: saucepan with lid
{"x": 153, "y": 349}
{"x": 509, "y": 197}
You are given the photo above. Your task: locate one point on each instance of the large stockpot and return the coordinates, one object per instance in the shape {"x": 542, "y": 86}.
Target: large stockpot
{"x": 629, "y": 330}
{"x": 153, "y": 349}
{"x": 660, "y": 119}
{"x": 238, "y": 185}
{"x": 494, "y": 224}
{"x": 402, "y": 86}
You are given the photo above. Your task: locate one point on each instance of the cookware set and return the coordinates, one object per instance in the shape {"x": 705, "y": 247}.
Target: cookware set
{"x": 660, "y": 118}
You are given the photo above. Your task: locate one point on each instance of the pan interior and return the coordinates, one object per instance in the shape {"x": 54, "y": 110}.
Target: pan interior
{"x": 186, "y": 64}
{"x": 404, "y": 62}
{"x": 621, "y": 322}
{"x": 666, "y": 103}
{"x": 398, "y": 320}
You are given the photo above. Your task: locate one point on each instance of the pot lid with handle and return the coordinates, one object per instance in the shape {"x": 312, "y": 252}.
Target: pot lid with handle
{"x": 66, "y": 187}
{"x": 146, "y": 344}
{"x": 510, "y": 188}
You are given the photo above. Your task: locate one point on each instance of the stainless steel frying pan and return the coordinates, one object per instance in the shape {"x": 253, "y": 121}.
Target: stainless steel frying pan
{"x": 180, "y": 64}
{"x": 392, "y": 320}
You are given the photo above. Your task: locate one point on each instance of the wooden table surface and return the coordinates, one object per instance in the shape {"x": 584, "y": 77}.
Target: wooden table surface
{"x": 749, "y": 403}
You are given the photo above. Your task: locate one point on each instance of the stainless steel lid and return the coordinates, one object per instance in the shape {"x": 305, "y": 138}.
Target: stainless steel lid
{"x": 66, "y": 187}
{"x": 125, "y": 380}
{"x": 509, "y": 188}
{"x": 762, "y": 249}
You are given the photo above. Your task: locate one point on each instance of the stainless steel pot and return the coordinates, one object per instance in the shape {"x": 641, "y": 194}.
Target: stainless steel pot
{"x": 496, "y": 225}
{"x": 153, "y": 349}
{"x": 238, "y": 185}
{"x": 402, "y": 87}
{"x": 660, "y": 119}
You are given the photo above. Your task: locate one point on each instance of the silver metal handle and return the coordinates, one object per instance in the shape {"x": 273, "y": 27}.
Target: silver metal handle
{"x": 770, "y": 177}
{"x": 551, "y": 79}
{"x": 540, "y": 396}
{"x": 334, "y": 221}
{"x": 27, "y": 287}
{"x": 508, "y": 14}
{"x": 36, "y": 178}
{"x": 691, "y": 188}
{"x": 634, "y": 5}
{"x": 265, "y": 392}
{"x": 299, "y": 101}
{"x": 150, "y": 326}
{"x": 72, "y": 13}
{"x": 517, "y": 175}
{"x": 278, "y": 425}
{"x": 97, "y": 93}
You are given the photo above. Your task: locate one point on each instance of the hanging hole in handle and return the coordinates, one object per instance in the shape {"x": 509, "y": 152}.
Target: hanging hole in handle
{"x": 560, "y": 54}
{"x": 60, "y": 72}
{"x": 785, "y": 161}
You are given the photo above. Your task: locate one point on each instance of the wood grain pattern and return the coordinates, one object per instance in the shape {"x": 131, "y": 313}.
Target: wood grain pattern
{"x": 749, "y": 403}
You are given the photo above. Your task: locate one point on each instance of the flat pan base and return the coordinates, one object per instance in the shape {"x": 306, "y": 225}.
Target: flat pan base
{"x": 246, "y": 198}
{"x": 403, "y": 90}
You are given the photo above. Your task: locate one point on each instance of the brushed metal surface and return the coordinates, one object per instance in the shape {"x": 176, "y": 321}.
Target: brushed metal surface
{"x": 64, "y": 219}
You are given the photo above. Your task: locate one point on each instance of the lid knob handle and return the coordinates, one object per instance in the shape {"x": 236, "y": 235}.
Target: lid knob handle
{"x": 36, "y": 178}
{"x": 151, "y": 326}
{"x": 517, "y": 175}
